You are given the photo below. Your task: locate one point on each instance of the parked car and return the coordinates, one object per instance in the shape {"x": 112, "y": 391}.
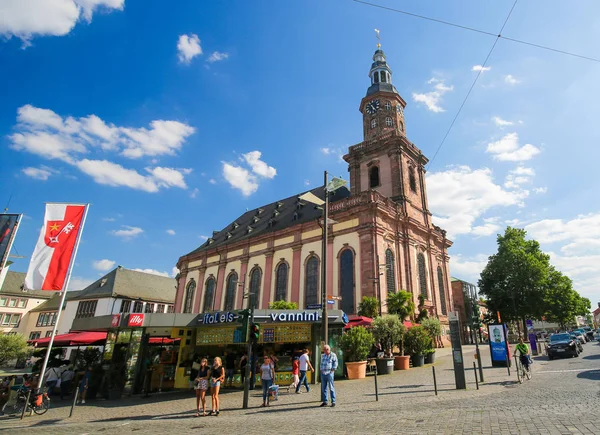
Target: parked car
{"x": 580, "y": 335}
{"x": 562, "y": 345}
{"x": 589, "y": 333}
{"x": 578, "y": 341}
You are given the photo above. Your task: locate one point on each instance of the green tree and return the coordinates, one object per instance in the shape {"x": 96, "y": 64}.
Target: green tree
{"x": 368, "y": 307}
{"x": 401, "y": 303}
{"x": 389, "y": 331}
{"x": 13, "y": 347}
{"x": 514, "y": 279}
{"x": 418, "y": 341}
{"x": 283, "y": 305}
{"x": 356, "y": 343}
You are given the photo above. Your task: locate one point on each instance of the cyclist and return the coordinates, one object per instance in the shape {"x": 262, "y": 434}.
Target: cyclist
{"x": 524, "y": 356}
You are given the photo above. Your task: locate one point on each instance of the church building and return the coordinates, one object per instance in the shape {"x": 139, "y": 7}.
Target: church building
{"x": 382, "y": 241}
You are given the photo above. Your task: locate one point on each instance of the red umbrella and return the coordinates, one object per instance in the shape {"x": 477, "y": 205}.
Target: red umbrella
{"x": 86, "y": 338}
{"x": 358, "y": 321}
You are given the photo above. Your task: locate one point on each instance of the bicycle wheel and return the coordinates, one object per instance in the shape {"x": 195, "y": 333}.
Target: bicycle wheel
{"x": 43, "y": 408}
{"x": 528, "y": 373}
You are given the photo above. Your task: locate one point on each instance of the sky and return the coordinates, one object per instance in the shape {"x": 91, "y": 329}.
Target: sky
{"x": 172, "y": 118}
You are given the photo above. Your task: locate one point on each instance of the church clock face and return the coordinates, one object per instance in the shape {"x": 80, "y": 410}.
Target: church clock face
{"x": 372, "y": 107}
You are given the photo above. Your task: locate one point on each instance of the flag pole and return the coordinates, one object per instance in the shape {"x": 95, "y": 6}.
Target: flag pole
{"x": 11, "y": 240}
{"x": 62, "y": 300}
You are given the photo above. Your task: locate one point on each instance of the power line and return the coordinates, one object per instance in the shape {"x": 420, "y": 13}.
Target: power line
{"x": 472, "y": 86}
{"x": 483, "y": 32}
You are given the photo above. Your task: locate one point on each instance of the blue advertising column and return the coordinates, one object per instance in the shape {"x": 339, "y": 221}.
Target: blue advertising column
{"x": 532, "y": 338}
{"x": 498, "y": 345}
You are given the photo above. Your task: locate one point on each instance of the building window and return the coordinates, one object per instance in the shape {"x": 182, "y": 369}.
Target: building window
{"x": 138, "y": 307}
{"x": 46, "y": 319}
{"x": 311, "y": 286}
{"x": 9, "y": 319}
{"x": 12, "y": 302}
{"x": 209, "y": 294}
{"x": 388, "y": 105}
{"x": 230, "y": 292}
{"x": 35, "y": 335}
{"x": 5, "y": 319}
{"x": 3, "y": 301}
{"x": 422, "y": 275}
{"x": 170, "y": 309}
{"x": 189, "y": 296}
{"x": 86, "y": 309}
{"x": 160, "y": 308}
{"x": 374, "y": 177}
{"x": 442, "y": 293}
{"x": 254, "y": 288}
{"x": 390, "y": 271}
{"x": 376, "y": 77}
{"x": 373, "y": 123}
{"x": 383, "y": 76}
{"x": 389, "y": 122}
{"x": 149, "y": 308}
{"x": 347, "y": 281}
{"x": 125, "y": 307}
{"x": 412, "y": 180}
{"x": 22, "y": 303}
{"x": 281, "y": 282}
{"x": 48, "y": 334}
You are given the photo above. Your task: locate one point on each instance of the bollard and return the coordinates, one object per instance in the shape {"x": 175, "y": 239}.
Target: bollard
{"x": 517, "y": 369}
{"x": 475, "y": 373}
{"x": 434, "y": 380}
{"x": 376, "y": 389}
{"x": 26, "y": 405}
{"x": 507, "y": 364}
{"x": 74, "y": 400}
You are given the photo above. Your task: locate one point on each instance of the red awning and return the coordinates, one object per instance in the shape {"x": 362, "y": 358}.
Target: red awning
{"x": 163, "y": 340}
{"x": 87, "y": 338}
{"x": 358, "y": 321}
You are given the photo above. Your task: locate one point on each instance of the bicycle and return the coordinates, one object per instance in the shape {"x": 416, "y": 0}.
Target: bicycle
{"x": 39, "y": 402}
{"x": 522, "y": 372}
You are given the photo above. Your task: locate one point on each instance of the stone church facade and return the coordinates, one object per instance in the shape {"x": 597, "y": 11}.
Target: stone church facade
{"x": 383, "y": 239}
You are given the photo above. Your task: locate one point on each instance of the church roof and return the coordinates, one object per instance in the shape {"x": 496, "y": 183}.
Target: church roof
{"x": 269, "y": 218}
{"x": 382, "y": 87}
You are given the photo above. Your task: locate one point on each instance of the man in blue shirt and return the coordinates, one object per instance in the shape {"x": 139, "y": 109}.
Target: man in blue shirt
{"x": 328, "y": 366}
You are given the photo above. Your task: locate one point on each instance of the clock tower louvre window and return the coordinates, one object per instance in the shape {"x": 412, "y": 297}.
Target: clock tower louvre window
{"x": 412, "y": 180}
{"x": 376, "y": 77}
{"x": 374, "y": 177}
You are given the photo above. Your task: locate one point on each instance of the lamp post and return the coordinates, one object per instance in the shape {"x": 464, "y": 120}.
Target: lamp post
{"x": 324, "y": 323}
{"x": 251, "y": 303}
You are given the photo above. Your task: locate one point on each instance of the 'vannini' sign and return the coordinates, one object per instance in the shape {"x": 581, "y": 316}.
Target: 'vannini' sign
{"x": 303, "y": 316}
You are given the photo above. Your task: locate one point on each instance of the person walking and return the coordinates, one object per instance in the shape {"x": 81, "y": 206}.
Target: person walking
{"x": 217, "y": 377}
{"x": 201, "y": 385}
{"x": 327, "y": 368}
{"x": 229, "y": 369}
{"x": 267, "y": 374}
{"x": 84, "y": 384}
{"x": 66, "y": 379}
{"x": 52, "y": 378}
{"x": 295, "y": 373}
{"x": 243, "y": 364}
{"x": 304, "y": 365}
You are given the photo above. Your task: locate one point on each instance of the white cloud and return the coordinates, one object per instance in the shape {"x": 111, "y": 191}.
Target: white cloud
{"x": 217, "y": 56}
{"x": 540, "y": 190}
{"x": 507, "y": 149}
{"x": 501, "y": 122}
{"x": 212, "y": 181}
{"x": 174, "y": 271}
{"x": 194, "y": 193}
{"x": 240, "y": 178}
{"x": 460, "y": 195}
{"x": 518, "y": 176}
{"x": 433, "y": 98}
{"x": 489, "y": 227}
{"x": 171, "y": 232}
{"x": 188, "y": 47}
{"x": 259, "y": 167}
{"x": 205, "y": 238}
{"x": 165, "y": 137}
{"x": 307, "y": 182}
{"x": 127, "y": 232}
{"x": 103, "y": 265}
{"x": 38, "y": 173}
{"x": 481, "y": 68}
{"x": 153, "y": 272}
{"x": 326, "y": 151}
{"x": 26, "y": 19}
{"x": 112, "y": 174}
{"x": 469, "y": 268}
{"x": 511, "y": 80}
{"x": 109, "y": 219}
{"x": 79, "y": 283}
{"x": 168, "y": 177}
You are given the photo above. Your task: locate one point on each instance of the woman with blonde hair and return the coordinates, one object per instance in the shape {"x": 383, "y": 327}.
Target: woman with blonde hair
{"x": 217, "y": 376}
{"x": 201, "y": 385}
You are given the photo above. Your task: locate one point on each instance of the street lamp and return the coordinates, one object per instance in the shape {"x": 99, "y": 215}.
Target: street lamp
{"x": 251, "y": 304}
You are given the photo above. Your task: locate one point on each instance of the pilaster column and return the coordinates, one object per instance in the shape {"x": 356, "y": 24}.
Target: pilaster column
{"x": 200, "y": 293}
{"x": 266, "y": 292}
{"x": 218, "y": 301}
{"x": 245, "y": 283}
{"x": 180, "y": 291}
{"x": 296, "y": 270}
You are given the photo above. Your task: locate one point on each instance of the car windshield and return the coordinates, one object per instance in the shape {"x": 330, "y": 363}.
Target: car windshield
{"x": 560, "y": 337}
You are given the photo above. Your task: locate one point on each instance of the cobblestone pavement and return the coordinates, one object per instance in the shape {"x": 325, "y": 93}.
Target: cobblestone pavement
{"x": 562, "y": 398}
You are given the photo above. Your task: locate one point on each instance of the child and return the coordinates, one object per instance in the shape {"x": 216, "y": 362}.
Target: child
{"x": 295, "y": 373}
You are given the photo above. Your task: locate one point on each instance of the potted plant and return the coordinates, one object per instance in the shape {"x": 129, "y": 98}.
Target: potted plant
{"x": 387, "y": 330}
{"x": 356, "y": 343}
{"x": 417, "y": 342}
{"x": 401, "y": 303}
{"x": 434, "y": 329}
{"x": 368, "y": 307}
{"x": 401, "y": 362}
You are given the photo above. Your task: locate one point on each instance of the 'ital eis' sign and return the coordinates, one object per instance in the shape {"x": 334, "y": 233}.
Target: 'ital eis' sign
{"x": 219, "y": 317}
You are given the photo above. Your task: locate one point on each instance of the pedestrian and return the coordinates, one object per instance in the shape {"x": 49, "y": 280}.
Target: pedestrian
{"x": 328, "y": 366}
{"x": 217, "y": 376}
{"x": 84, "y": 385}
{"x": 201, "y": 385}
{"x": 66, "y": 379}
{"x": 267, "y": 374}
{"x": 52, "y": 378}
{"x": 295, "y": 373}
{"x": 243, "y": 364}
{"x": 229, "y": 368}
{"x": 304, "y": 365}
{"x": 194, "y": 370}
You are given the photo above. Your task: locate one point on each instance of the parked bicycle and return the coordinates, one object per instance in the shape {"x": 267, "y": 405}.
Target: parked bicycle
{"x": 39, "y": 402}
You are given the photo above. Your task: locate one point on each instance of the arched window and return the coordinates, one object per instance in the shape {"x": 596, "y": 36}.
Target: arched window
{"x": 442, "y": 293}
{"x": 230, "y": 292}
{"x": 373, "y": 123}
{"x": 311, "y": 281}
{"x": 209, "y": 294}
{"x": 189, "y": 296}
{"x": 255, "y": 277}
{"x": 388, "y": 105}
{"x": 373, "y": 177}
{"x": 422, "y": 275}
{"x": 412, "y": 180}
{"x": 281, "y": 282}
{"x": 383, "y": 76}
{"x": 390, "y": 271}
{"x": 376, "y": 77}
{"x": 389, "y": 122}
{"x": 347, "y": 281}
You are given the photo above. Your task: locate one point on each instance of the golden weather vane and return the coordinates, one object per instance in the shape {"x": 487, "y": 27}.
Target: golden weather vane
{"x": 378, "y": 38}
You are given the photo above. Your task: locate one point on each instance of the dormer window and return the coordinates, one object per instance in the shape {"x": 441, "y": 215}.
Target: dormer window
{"x": 373, "y": 123}
{"x": 275, "y": 213}
{"x": 229, "y": 235}
{"x": 259, "y": 211}
{"x": 210, "y": 241}
{"x": 271, "y": 223}
{"x": 279, "y": 204}
{"x": 389, "y": 122}
{"x": 388, "y": 106}
{"x": 295, "y": 216}
{"x": 249, "y": 229}
{"x": 234, "y": 226}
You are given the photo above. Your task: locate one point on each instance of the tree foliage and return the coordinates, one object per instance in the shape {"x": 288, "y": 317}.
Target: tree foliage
{"x": 356, "y": 343}
{"x": 389, "y": 331}
{"x": 368, "y": 307}
{"x": 401, "y": 303}
{"x": 418, "y": 341}
{"x": 283, "y": 305}
{"x": 13, "y": 347}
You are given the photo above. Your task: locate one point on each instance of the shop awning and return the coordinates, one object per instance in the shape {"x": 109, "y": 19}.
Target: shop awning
{"x": 163, "y": 340}
{"x": 358, "y": 321}
{"x": 86, "y": 338}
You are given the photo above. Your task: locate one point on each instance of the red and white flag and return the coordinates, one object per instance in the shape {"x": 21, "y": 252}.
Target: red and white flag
{"x": 52, "y": 255}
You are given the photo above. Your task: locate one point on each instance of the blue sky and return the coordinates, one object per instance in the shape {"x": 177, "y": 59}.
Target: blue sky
{"x": 172, "y": 118}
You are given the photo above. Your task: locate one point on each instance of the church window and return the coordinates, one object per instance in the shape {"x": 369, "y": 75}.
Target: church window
{"x": 376, "y": 77}
{"x": 412, "y": 180}
{"x": 209, "y": 295}
{"x": 388, "y": 106}
{"x": 255, "y": 277}
{"x": 347, "y": 281}
{"x": 422, "y": 275}
{"x": 383, "y": 76}
{"x": 390, "y": 271}
{"x": 189, "y": 297}
{"x": 442, "y": 293}
{"x": 311, "y": 281}
{"x": 389, "y": 122}
{"x": 373, "y": 123}
{"x": 281, "y": 279}
{"x": 373, "y": 177}
{"x": 230, "y": 292}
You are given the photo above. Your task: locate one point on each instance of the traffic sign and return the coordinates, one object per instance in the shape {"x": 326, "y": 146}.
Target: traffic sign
{"x": 330, "y": 302}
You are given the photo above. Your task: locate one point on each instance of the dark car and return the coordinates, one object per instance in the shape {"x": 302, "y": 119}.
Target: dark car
{"x": 562, "y": 345}
{"x": 589, "y": 332}
{"x": 578, "y": 341}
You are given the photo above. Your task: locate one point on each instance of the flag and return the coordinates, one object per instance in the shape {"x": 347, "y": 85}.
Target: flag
{"x": 52, "y": 255}
{"x": 9, "y": 224}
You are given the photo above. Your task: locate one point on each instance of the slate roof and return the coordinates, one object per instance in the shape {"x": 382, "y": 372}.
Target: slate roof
{"x": 52, "y": 304}
{"x": 13, "y": 286}
{"x": 272, "y": 217}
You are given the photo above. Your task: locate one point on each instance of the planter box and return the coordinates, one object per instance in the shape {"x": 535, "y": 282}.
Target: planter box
{"x": 401, "y": 362}
{"x": 430, "y": 358}
{"x": 356, "y": 370}
{"x": 418, "y": 360}
{"x": 385, "y": 366}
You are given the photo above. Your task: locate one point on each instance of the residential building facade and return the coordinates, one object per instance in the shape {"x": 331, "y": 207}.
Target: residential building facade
{"x": 464, "y": 295}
